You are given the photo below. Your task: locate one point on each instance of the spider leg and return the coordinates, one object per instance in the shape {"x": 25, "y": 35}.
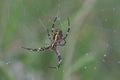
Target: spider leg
{"x": 49, "y": 36}
{"x": 37, "y": 49}
{"x": 54, "y": 24}
{"x": 68, "y": 30}
{"x": 59, "y": 58}
{"x": 66, "y": 34}
{"x": 61, "y": 44}
{"x": 68, "y": 21}
{"x": 59, "y": 61}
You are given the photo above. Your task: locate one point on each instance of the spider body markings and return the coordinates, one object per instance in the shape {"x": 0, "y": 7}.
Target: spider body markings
{"x": 56, "y": 39}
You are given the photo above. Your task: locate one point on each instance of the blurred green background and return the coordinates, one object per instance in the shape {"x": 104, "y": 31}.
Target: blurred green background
{"x": 92, "y": 51}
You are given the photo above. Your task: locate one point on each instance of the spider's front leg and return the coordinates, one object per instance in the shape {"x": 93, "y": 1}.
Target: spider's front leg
{"x": 37, "y": 49}
{"x": 68, "y": 30}
{"x": 53, "y": 24}
{"x": 49, "y": 35}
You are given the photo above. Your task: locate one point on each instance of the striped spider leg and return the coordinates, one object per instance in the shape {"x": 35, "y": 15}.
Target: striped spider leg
{"x": 56, "y": 39}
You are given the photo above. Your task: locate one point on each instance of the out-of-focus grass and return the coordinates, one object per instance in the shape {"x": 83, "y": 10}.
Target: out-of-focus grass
{"x": 92, "y": 49}
{"x": 5, "y": 74}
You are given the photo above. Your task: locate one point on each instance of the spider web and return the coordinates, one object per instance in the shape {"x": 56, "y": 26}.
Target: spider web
{"x": 106, "y": 45}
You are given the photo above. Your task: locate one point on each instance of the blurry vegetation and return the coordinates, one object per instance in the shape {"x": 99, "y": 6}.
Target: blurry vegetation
{"x": 92, "y": 51}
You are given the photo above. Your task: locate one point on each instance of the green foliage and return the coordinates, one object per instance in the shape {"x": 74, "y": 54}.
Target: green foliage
{"x": 92, "y": 49}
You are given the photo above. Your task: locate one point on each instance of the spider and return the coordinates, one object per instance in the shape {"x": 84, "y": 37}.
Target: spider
{"x": 56, "y": 39}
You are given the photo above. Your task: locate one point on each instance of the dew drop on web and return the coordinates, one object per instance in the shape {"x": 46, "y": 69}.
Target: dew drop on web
{"x": 95, "y": 68}
{"x": 113, "y": 9}
{"x": 85, "y": 67}
{"x": 102, "y": 10}
{"x": 105, "y": 55}
{"x": 86, "y": 54}
{"x": 118, "y": 62}
{"x": 103, "y": 60}
{"x": 58, "y": 18}
{"x": 106, "y": 19}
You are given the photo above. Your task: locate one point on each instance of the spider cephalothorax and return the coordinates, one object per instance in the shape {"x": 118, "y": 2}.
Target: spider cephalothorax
{"x": 56, "y": 39}
{"x": 57, "y": 35}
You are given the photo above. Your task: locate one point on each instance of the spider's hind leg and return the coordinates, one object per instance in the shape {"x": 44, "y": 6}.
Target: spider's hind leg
{"x": 59, "y": 61}
{"x": 59, "y": 58}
